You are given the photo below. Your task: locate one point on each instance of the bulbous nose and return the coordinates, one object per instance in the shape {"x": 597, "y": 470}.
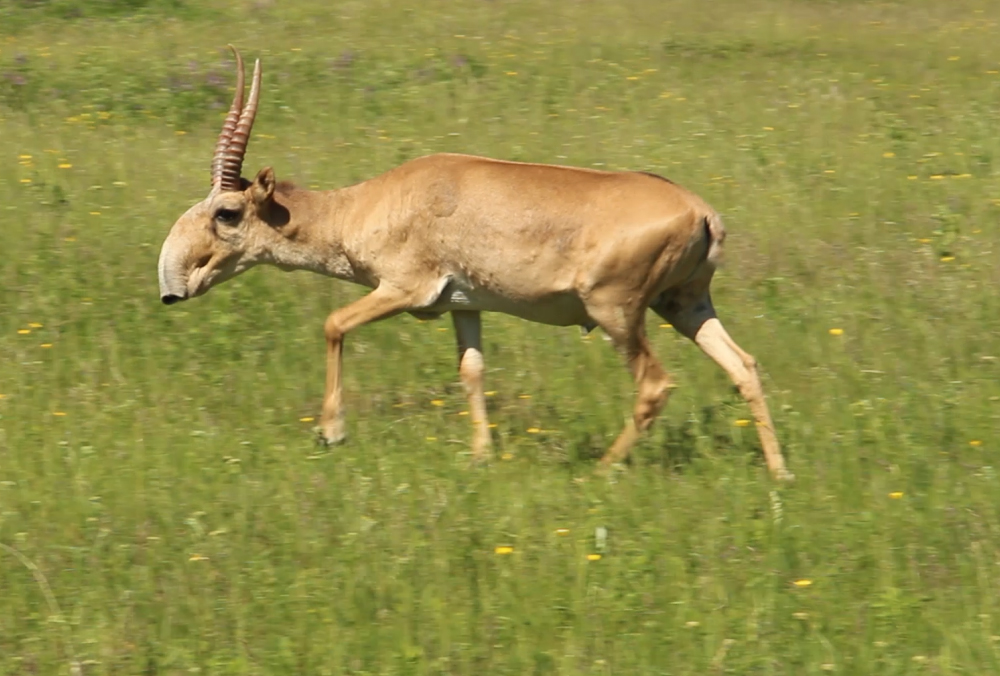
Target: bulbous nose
{"x": 170, "y": 299}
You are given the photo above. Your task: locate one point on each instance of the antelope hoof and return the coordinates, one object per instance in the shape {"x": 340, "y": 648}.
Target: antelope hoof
{"x": 332, "y": 434}
{"x": 784, "y": 476}
{"x": 605, "y": 468}
{"x": 480, "y": 460}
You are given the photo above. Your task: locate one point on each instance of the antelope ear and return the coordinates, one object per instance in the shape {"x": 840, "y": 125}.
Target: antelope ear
{"x": 262, "y": 188}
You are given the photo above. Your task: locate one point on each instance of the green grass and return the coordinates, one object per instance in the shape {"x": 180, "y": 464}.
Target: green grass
{"x": 154, "y": 467}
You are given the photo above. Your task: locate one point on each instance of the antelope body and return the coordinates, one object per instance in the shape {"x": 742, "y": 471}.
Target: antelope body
{"x": 462, "y": 234}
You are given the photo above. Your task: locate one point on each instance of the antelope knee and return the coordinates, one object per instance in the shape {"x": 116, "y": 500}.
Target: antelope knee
{"x": 645, "y": 414}
{"x": 749, "y": 386}
{"x": 656, "y": 389}
{"x": 472, "y": 365}
{"x": 331, "y": 329}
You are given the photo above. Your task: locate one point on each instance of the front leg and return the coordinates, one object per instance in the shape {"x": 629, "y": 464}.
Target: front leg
{"x": 470, "y": 368}
{"x": 383, "y": 302}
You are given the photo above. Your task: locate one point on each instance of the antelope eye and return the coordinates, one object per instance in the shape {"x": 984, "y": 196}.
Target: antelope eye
{"x": 227, "y": 216}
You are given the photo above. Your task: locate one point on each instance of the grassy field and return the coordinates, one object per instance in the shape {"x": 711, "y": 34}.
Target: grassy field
{"x": 157, "y": 464}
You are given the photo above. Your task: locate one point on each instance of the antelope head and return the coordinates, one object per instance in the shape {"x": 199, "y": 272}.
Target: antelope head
{"x": 231, "y": 230}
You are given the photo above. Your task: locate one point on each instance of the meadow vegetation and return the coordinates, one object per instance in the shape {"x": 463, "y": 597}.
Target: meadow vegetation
{"x": 157, "y": 464}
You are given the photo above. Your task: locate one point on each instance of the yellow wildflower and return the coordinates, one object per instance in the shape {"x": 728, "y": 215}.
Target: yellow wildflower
{"x": 503, "y": 550}
{"x": 896, "y": 495}
{"x": 307, "y": 419}
{"x": 803, "y": 583}
{"x": 593, "y": 557}
{"x": 836, "y": 332}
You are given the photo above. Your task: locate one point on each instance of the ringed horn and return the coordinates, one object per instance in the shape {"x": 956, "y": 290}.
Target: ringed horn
{"x": 227, "y": 163}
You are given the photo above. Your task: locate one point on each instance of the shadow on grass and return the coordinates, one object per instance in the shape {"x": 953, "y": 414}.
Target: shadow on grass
{"x": 673, "y": 445}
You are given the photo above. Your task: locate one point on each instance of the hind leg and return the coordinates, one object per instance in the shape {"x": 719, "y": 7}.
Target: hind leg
{"x": 628, "y": 334}
{"x": 696, "y": 319}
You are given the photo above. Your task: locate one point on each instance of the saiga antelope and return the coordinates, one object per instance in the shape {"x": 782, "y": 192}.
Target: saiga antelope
{"x": 462, "y": 234}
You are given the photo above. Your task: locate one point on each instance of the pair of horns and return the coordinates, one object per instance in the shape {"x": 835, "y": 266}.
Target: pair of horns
{"x": 227, "y": 163}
